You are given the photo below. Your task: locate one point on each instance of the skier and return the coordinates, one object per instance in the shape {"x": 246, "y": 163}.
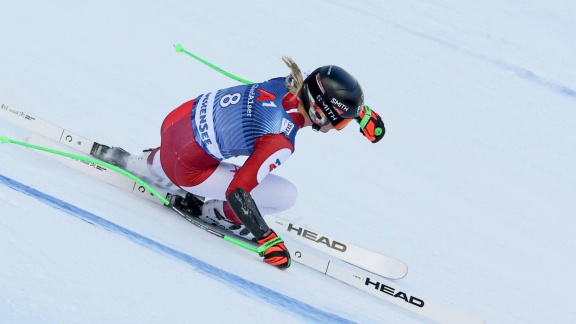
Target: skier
{"x": 259, "y": 121}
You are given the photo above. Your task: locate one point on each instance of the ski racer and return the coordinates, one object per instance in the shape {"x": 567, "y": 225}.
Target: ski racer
{"x": 258, "y": 121}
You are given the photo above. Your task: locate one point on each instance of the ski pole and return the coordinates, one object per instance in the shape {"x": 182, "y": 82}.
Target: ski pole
{"x": 180, "y": 49}
{"x": 246, "y": 245}
{"x": 5, "y": 139}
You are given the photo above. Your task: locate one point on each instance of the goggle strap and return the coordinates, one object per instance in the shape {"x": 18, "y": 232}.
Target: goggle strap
{"x": 333, "y": 117}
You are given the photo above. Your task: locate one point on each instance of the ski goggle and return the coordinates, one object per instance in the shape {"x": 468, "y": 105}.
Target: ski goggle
{"x": 318, "y": 115}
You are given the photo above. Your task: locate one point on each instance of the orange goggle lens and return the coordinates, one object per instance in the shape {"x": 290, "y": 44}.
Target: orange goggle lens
{"x": 343, "y": 123}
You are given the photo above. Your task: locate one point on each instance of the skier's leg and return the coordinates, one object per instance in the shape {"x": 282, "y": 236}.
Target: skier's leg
{"x": 274, "y": 194}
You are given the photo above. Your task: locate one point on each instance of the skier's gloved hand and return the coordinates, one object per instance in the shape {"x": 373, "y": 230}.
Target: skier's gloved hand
{"x": 371, "y": 124}
{"x": 274, "y": 251}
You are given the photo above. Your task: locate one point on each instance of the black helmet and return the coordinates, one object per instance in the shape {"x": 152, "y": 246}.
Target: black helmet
{"x": 331, "y": 94}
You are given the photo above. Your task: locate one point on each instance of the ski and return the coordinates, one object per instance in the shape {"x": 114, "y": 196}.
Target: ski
{"x": 46, "y": 129}
{"x": 377, "y": 263}
{"x": 58, "y": 138}
{"x": 373, "y": 285}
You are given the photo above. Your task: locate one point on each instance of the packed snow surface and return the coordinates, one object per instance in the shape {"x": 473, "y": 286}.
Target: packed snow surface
{"x": 473, "y": 185}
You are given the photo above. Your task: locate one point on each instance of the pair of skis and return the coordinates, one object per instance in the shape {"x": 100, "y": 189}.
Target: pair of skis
{"x": 367, "y": 268}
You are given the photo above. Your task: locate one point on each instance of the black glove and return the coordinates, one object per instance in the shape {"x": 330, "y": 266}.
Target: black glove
{"x": 371, "y": 124}
{"x": 274, "y": 250}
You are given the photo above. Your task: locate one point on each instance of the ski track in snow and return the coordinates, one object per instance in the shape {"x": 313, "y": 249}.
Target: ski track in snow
{"x": 519, "y": 71}
{"x": 255, "y": 291}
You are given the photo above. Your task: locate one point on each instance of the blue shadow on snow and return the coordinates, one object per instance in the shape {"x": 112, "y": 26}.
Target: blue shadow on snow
{"x": 251, "y": 289}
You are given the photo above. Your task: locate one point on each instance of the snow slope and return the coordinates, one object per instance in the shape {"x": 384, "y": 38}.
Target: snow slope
{"x": 473, "y": 185}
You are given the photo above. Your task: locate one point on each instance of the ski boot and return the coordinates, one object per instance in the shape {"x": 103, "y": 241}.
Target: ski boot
{"x": 114, "y": 155}
{"x": 190, "y": 204}
{"x": 213, "y": 212}
{"x": 210, "y": 212}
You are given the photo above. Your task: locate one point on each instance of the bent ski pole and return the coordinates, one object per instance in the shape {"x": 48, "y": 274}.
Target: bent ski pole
{"x": 242, "y": 243}
{"x": 5, "y": 139}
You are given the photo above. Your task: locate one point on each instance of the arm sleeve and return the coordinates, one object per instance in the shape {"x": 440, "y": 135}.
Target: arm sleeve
{"x": 270, "y": 151}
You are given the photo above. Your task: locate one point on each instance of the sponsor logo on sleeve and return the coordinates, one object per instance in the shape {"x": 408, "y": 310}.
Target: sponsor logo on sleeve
{"x": 287, "y": 126}
{"x": 272, "y": 162}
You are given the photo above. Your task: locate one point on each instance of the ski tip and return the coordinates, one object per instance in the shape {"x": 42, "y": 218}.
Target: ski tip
{"x": 393, "y": 276}
{"x": 401, "y": 276}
